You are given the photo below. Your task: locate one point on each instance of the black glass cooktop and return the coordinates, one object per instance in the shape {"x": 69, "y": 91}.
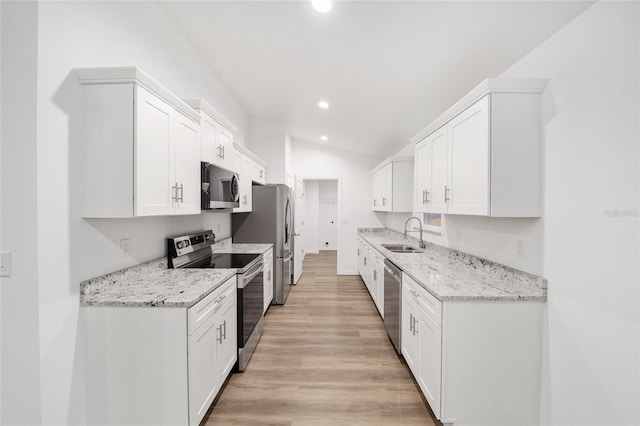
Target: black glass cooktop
{"x": 226, "y": 260}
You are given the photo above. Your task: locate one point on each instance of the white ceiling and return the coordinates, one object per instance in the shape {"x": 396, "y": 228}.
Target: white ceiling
{"x": 388, "y": 68}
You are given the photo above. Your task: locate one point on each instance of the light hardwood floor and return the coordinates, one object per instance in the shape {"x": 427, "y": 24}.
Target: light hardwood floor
{"x": 324, "y": 359}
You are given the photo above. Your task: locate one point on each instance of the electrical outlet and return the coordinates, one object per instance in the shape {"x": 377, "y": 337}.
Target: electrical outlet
{"x": 5, "y": 264}
{"x": 125, "y": 246}
{"x": 520, "y": 249}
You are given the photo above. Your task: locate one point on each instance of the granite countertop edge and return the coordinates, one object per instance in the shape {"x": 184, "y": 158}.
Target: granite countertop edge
{"x": 153, "y": 284}
{"x": 453, "y": 273}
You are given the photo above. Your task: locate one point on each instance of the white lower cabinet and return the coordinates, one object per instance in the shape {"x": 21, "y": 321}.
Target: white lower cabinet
{"x": 159, "y": 365}
{"x": 268, "y": 278}
{"x": 476, "y": 362}
{"x": 371, "y": 269}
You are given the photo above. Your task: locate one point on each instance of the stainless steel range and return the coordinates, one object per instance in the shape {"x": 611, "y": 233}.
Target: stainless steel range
{"x": 194, "y": 251}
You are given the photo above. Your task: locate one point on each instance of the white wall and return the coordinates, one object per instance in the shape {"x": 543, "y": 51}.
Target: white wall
{"x": 327, "y": 214}
{"x": 20, "y": 370}
{"x": 591, "y": 233}
{"x": 311, "y": 210}
{"x": 40, "y": 316}
{"x": 313, "y": 161}
{"x": 268, "y": 140}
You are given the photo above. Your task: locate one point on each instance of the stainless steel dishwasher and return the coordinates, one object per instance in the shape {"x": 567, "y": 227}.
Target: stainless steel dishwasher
{"x": 393, "y": 302}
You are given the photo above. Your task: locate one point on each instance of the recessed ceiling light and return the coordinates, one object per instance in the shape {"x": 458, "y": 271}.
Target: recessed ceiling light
{"x": 322, "y": 6}
{"x": 323, "y": 104}
{"x": 324, "y": 138}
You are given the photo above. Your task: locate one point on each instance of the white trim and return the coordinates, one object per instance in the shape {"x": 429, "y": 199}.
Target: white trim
{"x": 348, "y": 272}
{"x": 120, "y": 75}
{"x": 490, "y": 85}
{"x": 392, "y": 160}
{"x": 311, "y": 252}
{"x": 202, "y": 105}
{"x": 243, "y": 150}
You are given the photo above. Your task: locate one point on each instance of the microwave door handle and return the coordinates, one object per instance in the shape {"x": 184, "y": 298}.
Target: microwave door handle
{"x": 233, "y": 188}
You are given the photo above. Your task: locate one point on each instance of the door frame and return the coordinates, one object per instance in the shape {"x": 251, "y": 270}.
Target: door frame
{"x": 338, "y": 180}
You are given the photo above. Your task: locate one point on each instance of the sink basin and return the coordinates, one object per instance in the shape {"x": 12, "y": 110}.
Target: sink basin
{"x": 401, "y": 248}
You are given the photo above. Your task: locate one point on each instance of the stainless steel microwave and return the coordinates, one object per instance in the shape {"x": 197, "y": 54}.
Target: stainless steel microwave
{"x": 219, "y": 187}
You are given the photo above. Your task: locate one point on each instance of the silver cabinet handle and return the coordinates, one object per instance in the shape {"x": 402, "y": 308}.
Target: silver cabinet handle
{"x": 358, "y": 252}
{"x": 365, "y": 260}
{"x": 181, "y": 193}
{"x": 374, "y": 201}
{"x": 219, "y": 337}
{"x": 174, "y": 192}
{"x": 426, "y": 196}
{"x": 269, "y": 276}
{"x": 375, "y": 275}
{"x": 222, "y": 151}
{"x": 446, "y": 194}
{"x": 224, "y": 324}
{"x": 384, "y": 201}
{"x": 411, "y": 323}
{"x": 415, "y": 323}
{"x": 261, "y": 173}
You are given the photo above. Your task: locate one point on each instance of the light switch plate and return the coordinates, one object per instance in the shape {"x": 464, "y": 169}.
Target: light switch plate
{"x": 5, "y": 264}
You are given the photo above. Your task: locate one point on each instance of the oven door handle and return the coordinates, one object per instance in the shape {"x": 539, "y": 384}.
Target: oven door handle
{"x": 250, "y": 274}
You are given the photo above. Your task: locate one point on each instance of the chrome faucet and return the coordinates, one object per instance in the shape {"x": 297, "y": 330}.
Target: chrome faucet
{"x": 422, "y": 244}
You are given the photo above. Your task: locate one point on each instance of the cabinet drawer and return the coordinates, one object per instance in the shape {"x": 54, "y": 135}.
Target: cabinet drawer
{"x": 426, "y": 302}
{"x": 203, "y": 310}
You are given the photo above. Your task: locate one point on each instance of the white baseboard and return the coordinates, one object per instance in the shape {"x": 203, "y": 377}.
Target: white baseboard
{"x": 311, "y": 252}
{"x": 348, "y": 272}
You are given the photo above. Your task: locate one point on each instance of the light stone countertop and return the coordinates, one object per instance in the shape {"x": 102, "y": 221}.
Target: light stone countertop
{"x": 152, "y": 284}
{"x": 452, "y": 275}
{"x": 225, "y": 246}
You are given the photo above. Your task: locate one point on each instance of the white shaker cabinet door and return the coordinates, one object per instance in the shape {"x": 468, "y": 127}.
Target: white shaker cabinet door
{"x": 203, "y": 380}
{"x": 187, "y": 165}
{"x": 438, "y": 194}
{"x": 154, "y": 147}
{"x": 422, "y": 175}
{"x": 469, "y": 166}
{"x": 430, "y": 350}
{"x": 224, "y": 148}
{"x": 226, "y": 348}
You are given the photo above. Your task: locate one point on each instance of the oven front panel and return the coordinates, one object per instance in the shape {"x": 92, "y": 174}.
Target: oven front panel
{"x": 250, "y": 307}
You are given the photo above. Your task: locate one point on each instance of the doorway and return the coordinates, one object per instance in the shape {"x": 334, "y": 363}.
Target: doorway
{"x": 320, "y": 214}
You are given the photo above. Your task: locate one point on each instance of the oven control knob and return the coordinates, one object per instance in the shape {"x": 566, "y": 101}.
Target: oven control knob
{"x": 180, "y": 244}
{"x": 207, "y": 237}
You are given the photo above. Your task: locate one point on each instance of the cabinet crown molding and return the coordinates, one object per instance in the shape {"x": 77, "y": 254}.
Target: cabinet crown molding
{"x": 488, "y": 86}
{"x": 202, "y": 105}
{"x": 131, "y": 74}
{"x": 392, "y": 160}
{"x": 243, "y": 150}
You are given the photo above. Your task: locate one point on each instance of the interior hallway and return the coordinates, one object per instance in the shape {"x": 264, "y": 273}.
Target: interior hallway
{"x": 324, "y": 359}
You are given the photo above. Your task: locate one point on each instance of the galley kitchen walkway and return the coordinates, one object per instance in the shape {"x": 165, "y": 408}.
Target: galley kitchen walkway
{"x": 324, "y": 359}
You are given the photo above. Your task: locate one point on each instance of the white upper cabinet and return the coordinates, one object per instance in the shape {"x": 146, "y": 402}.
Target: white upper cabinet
{"x": 483, "y": 156}
{"x": 216, "y": 135}
{"x": 141, "y": 146}
{"x": 391, "y": 185}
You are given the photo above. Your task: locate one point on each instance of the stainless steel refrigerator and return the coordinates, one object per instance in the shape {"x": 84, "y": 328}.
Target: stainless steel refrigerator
{"x": 270, "y": 221}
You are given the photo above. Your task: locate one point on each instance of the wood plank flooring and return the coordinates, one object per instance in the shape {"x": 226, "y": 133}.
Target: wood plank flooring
{"x": 324, "y": 359}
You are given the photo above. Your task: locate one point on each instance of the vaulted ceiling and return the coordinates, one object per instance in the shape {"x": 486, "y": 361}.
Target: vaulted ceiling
{"x": 387, "y": 68}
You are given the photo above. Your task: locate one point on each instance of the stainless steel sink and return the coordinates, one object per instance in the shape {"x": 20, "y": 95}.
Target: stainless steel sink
{"x": 401, "y": 248}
